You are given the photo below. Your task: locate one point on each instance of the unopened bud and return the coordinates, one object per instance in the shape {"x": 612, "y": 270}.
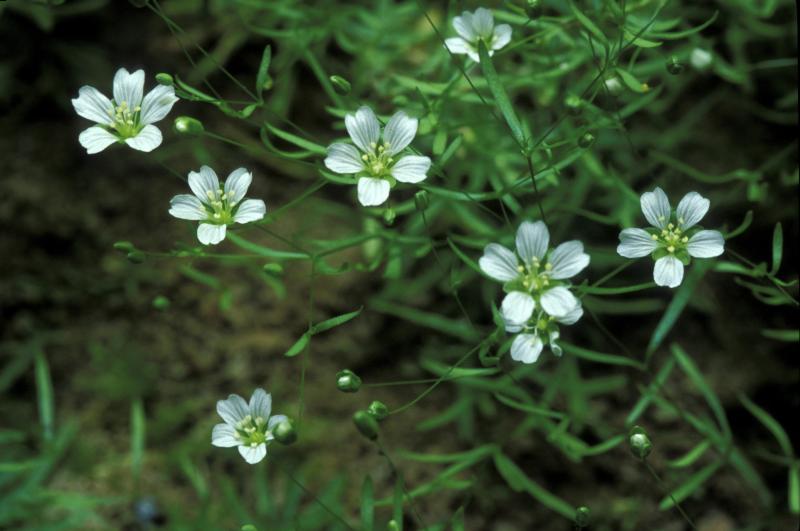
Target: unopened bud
{"x": 422, "y": 200}
{"x": 160, "y": 302}
{"x": 582, "y": 517}
{"x": 124, "y": 247}
{"x": 389, "y": 215}
{"x": 366, "y": 424}
{"x": 639, "y": 442}
{"x": 378, "y": 410}
{"x": 186, "y": 125}
{"x": 347, "y": 381}
{"x": 136, "y": 257}
{"x": 341, "y": 85}
{"x": 574, "y": 104}
{"x": 165, "y": 79}
{"x": 586, "y": 140}
{"x": 249, "y": 527}
{"x": 273, "y": 269}
{"x": 392, "y": 526}
{"x": 285, "y": 433}
{"x": 674, "y": 66}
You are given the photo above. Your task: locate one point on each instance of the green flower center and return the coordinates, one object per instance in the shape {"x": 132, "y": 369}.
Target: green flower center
{"x": 220, "y": 206}
{"x": 125, "y": 120}
{"x": 672, "y": 238}
{"x": 378, "y": 161}
{"x": 252, "y": 431}
{"x": 535, "y": 276}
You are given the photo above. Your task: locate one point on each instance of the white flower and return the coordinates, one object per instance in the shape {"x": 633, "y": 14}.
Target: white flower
{"x": 247, "y": 426}
{"x": 128, "y": 118}
{"x": 374, "y": 162}
{"x": 215, "y": 206}
{"x": 475, "y": 27}
{"x": 673, "y": 238}
{"x": 538, "y": 295}
{"x": 700, "y": 58}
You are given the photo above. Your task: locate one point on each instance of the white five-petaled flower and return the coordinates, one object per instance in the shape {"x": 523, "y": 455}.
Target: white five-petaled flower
{"x": 375, "y": 161}
{"x": 474, "y": 27}
{"x": 128, "y": 118}
{"x": 673, "y": 239}
{"x": 247, "y": 426}
{"x": 217, "y": 206}
{"x": 536, "y": 282}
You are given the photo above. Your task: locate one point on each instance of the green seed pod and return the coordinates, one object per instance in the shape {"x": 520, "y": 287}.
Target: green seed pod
{"x": 186, "y": 125}
{"x": 273, "y": 269}
{"x": 674, "y": 66}
{"x": 389, "y": 215}
{"x": 341, "y": 85}
{"x": 366, "y": 424}
{"x": 285, "y": 432}
{"x": 136, "y": 257}
{"x": 574, "y": 104}
{"x": 586, "y": 140}
{"x": 124, "y": 247}
{"x": 533, "y": 8}
{"x": 582, "y": 517}
{"x": 165, "y": 79}
{"x": 347, "y": 381}
{"x": 161, "y": 302}
{"x": 378, "y": 410}
{"x": 639, "y": 442}
{"x": 422, "y": 200}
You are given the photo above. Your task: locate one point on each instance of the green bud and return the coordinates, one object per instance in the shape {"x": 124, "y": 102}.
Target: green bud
{"x": 347, "y": 381}
{"x": 639, "y": 442}
{"x": 533, "y": 8}
{"x": 389, "y": 215}
{"x": 341, "y": 85}
{"x": 165, "y": 79}
{"x": 378, "y": 410}
{"x": 392, "y": 526}
{"x": 273, "y": 269}
{"x": 124, "y": 247}
{"x": 161, "y": 302}
{"x": 136, "y": 257}
{"x": 574, "y": 105}
{"x": 582, "y": 517}
{"x": 586, "y": 140}
{"x": 422, "y": 200}
{"x": 366, "y": 424}
{"x": 674, "y": 66}
{"x": 186, "y": 125}
{"x": 285, "y": 432}
{"x": 249, "y": 527}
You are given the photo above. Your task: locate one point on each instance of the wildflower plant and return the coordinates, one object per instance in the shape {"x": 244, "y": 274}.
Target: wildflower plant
{"x": 248, "y": 426}
{"x": 474, "y": 27}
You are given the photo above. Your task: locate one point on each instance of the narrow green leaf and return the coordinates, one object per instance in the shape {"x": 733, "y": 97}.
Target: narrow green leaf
{"x": 457, "y": 522}
{"x": 770, "y": 423}
{"x": 599, "y": 357}
{"x": 44, "y": 394}
{"x": 794, "y": 490}
{"x": 588, "y": 24}
{"x": 643, "y": 403}
{"x": 528, "y": 408}
{"x": 367, "y": 505}
{"x": 397, "y": 504}
{"x": 500, "y": 95}
{"x": 691, "y": 456}
{"x": 263, "y": 79}
{"x": 790, "y": 336}
{"x": 631, "y": 82}
{"x": 519, "y": 482}
{"x": 299, "y": 346}
{"x": 138, "y": 437}
{"x": 777, "y": 248}
{"x": 327, "y": 324}
{"x": 687, "y": 364}
{"x": 690, "y": 486}
{"x": 296, "y": 140}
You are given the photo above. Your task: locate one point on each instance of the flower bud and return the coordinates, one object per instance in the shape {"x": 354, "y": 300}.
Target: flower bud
{"x": 533, "y": 8}
{"x": 347, "y": 381}
{"x": 574, "y": 104}
{"x": 124, "y": 247}
{"x": 186, "y": 125}
{"x": 389, "y": 215}
{"x": 586, "y": 140}
{"x": 674, "y": 66}
{"x": 161, "y": 302}
{"x": 422, "y": 200}
{"x": 136, "y": 257}
{"x": 341, "y": 85}
{"x": 366, "y": 424}
{"x": 392, "y": 526}
{"x": 273, "y": 269}
{"x": 378, "y": 410}
{"x": 285, "y": 432}
{"x": 165, "y": 79}
{"x": 582, "y": 517}
{"x": 639, "y": 442}
{"x": 701, "y": 59}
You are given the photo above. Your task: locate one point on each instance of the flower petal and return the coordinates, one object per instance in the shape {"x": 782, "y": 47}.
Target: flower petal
{"x": 157, "y": 104}
{"x": 499, "y": 263}
{"x": 558, "y": 302}
{"x": 572, "y": 316}
{"x": 210, "y": 234}
{"x": 147, "y": 140}
{"x": 411, "y": 169}
{"x": 463, "y": 26}
{"x": 343, "y": 158}
{"x": 187, "y": 206}
{"x": 457, "y": 45}
{"x": 516, "y": 310}
{"x": 363, "y": 128}
{"x": 96, "y": 139}
{"x": 260, "y": 404}
{"x": 203, "y": 183}
{"x": 399, "y": 132}
{"x": 237, "y": 183}
{"x": 655, "y": 207}
{"x": 372, "y": 192}
{"x": 532, "y": 240}
{"x": 668, "y": 272}
{"x": 526, "y": 348}
{"x": 224, "y": 436}
{"x": 128, "y": 87}
{"x": 250, "y": 210}
{"x": 483, "y": 23}
{"x": 253, "y": 454}
{"x": 274, "y": 420}
{"x": 635, "y": 243}
{"x": 233, "y": 409}
{"x": 568, "y": 259}
{"x": 691, "y": 210}
{"x": 501, "y": 36}
{"x": 93, "y": 105}
{"x": 706, "y": 244}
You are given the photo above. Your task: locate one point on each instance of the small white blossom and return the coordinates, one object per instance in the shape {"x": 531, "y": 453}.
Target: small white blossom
{"x": 247, "y": 426}
{"x": 673, "y": 238}
{"x": 128, "y": 118}
{"x": 700, "y": 59}
{"x": 536, "y": 282}
{"x": 475, "y": 27}
{"x": 374, "y": 159}
{"x": 217, "y": 206}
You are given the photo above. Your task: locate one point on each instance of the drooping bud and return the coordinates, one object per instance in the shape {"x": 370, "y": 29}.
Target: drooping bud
{"x": 366, "y": 424}
{"x": 341, "y": 85}
{"x": 285, "y": 432}
{"x": 422, "y": 200}
{"x": 586, "y": 140}
{"x": 674, "y": 66}
{"x": 165, "y": 79}
{"x": 639, "y": 442}
{"x": 186, "y": 125}
{"x": 378, "y": 410}
{"x": 582, "y": 517}
{"x": 161, "y": 302}
{"x": 124, "y": 247}
{"x": 347, "y": 381}
{"x": 136, "y": 257}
